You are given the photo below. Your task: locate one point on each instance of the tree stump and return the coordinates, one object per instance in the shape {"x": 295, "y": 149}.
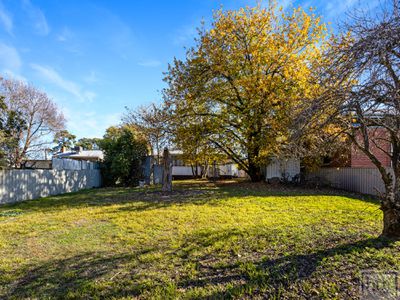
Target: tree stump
{"x": 167, "y": 172}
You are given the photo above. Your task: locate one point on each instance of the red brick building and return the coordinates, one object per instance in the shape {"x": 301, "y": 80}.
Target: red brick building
{"x": 355, "y": 158}
{"x": 379, "y": 144}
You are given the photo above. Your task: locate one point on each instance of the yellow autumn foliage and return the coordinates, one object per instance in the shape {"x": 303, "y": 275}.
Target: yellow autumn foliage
{"x": 247, "y": 75}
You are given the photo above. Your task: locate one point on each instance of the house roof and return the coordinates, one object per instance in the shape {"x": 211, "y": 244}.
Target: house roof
{"x": 84, "y": 154}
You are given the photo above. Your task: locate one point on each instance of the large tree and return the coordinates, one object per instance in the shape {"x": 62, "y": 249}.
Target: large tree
{"x": 11, "y": 127}
{"x": 243, "y": 79}
{"x": 362, "y": 96}
{"x": 39, "y": 113}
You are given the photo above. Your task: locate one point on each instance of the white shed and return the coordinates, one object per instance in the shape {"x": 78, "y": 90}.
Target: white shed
{"x": 282, "y": 168}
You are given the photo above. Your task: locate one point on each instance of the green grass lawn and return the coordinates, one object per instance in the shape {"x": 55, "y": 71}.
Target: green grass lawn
{"x": 230, "y": 240}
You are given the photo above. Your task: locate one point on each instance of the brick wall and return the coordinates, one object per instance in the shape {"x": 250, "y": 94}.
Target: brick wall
{"x": 377, "y": 137}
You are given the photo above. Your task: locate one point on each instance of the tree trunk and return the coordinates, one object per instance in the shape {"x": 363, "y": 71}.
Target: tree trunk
{"x": 254, "y": 172}
{"x": 391, "y": 223}
{"x": 214, "y": 170}
{"x": 167, "y": 172}
{"x": 193, "y": 172}
{"x": 254, "y": 169}
{"x": 158, "y": 155}
{"x": 391, "y": 210}
{"x": 204, "y": 170}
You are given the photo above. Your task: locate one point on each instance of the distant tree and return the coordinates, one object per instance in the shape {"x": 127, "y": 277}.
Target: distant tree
{"x": 243, "y": 79}
{"x": 63, "y": 140}
{"x": 37, "y": 112}
{"x": 88, "y": 143}
{"x": 151, "y": 122}
{"x": 362, "y": 94}
{"x": 124, "y": 151}
{"x": 11, "y": 131}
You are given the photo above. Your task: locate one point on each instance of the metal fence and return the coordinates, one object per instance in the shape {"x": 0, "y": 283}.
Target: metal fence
{"x": 360, "y": 180}
{"x": 20, "y": 185}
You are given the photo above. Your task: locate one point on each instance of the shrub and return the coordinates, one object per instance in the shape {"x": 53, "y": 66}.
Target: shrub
{"x": 123, "y": 156}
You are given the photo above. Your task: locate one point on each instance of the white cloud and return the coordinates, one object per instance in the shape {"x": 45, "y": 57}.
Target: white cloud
{"x": 10, "y": 63}
{"x": 5, "y": 19}
{"x": 69, "y": 86}
{"x": 37, "y": 18}
{"x": 151, "y": 63}
{"x": 9, "y": 58}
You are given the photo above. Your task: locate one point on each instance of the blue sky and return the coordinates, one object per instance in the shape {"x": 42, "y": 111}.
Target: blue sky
{"x": 96, "y": 57}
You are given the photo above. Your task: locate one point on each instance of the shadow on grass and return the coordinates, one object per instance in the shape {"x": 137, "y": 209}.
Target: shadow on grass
{"x": 192, "y": 192}
{"x": 276, "y": 274}
{"x": 213, "y": 193}
{"x": 79, "y": 277}
{"x": 106, "y": 275}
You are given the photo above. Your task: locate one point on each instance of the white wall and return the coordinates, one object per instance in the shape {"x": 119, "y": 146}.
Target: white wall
{"x": 277, "y": 168}
{"x": 19, "y": 185}
{"x": 184, "y": 171}
{"x": 280, "y": 167}
{"x": 223, "y": 170}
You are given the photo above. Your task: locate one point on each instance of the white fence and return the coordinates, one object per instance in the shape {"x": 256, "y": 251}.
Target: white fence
{"x": 360, "y": 180}
{"x": 19, "y": 185}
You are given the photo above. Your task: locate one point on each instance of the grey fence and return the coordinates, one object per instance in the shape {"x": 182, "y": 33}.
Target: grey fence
{"x": 72, "y": 164}
{"x": 360, "y": 180}
{"x": 19, "y": 185}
